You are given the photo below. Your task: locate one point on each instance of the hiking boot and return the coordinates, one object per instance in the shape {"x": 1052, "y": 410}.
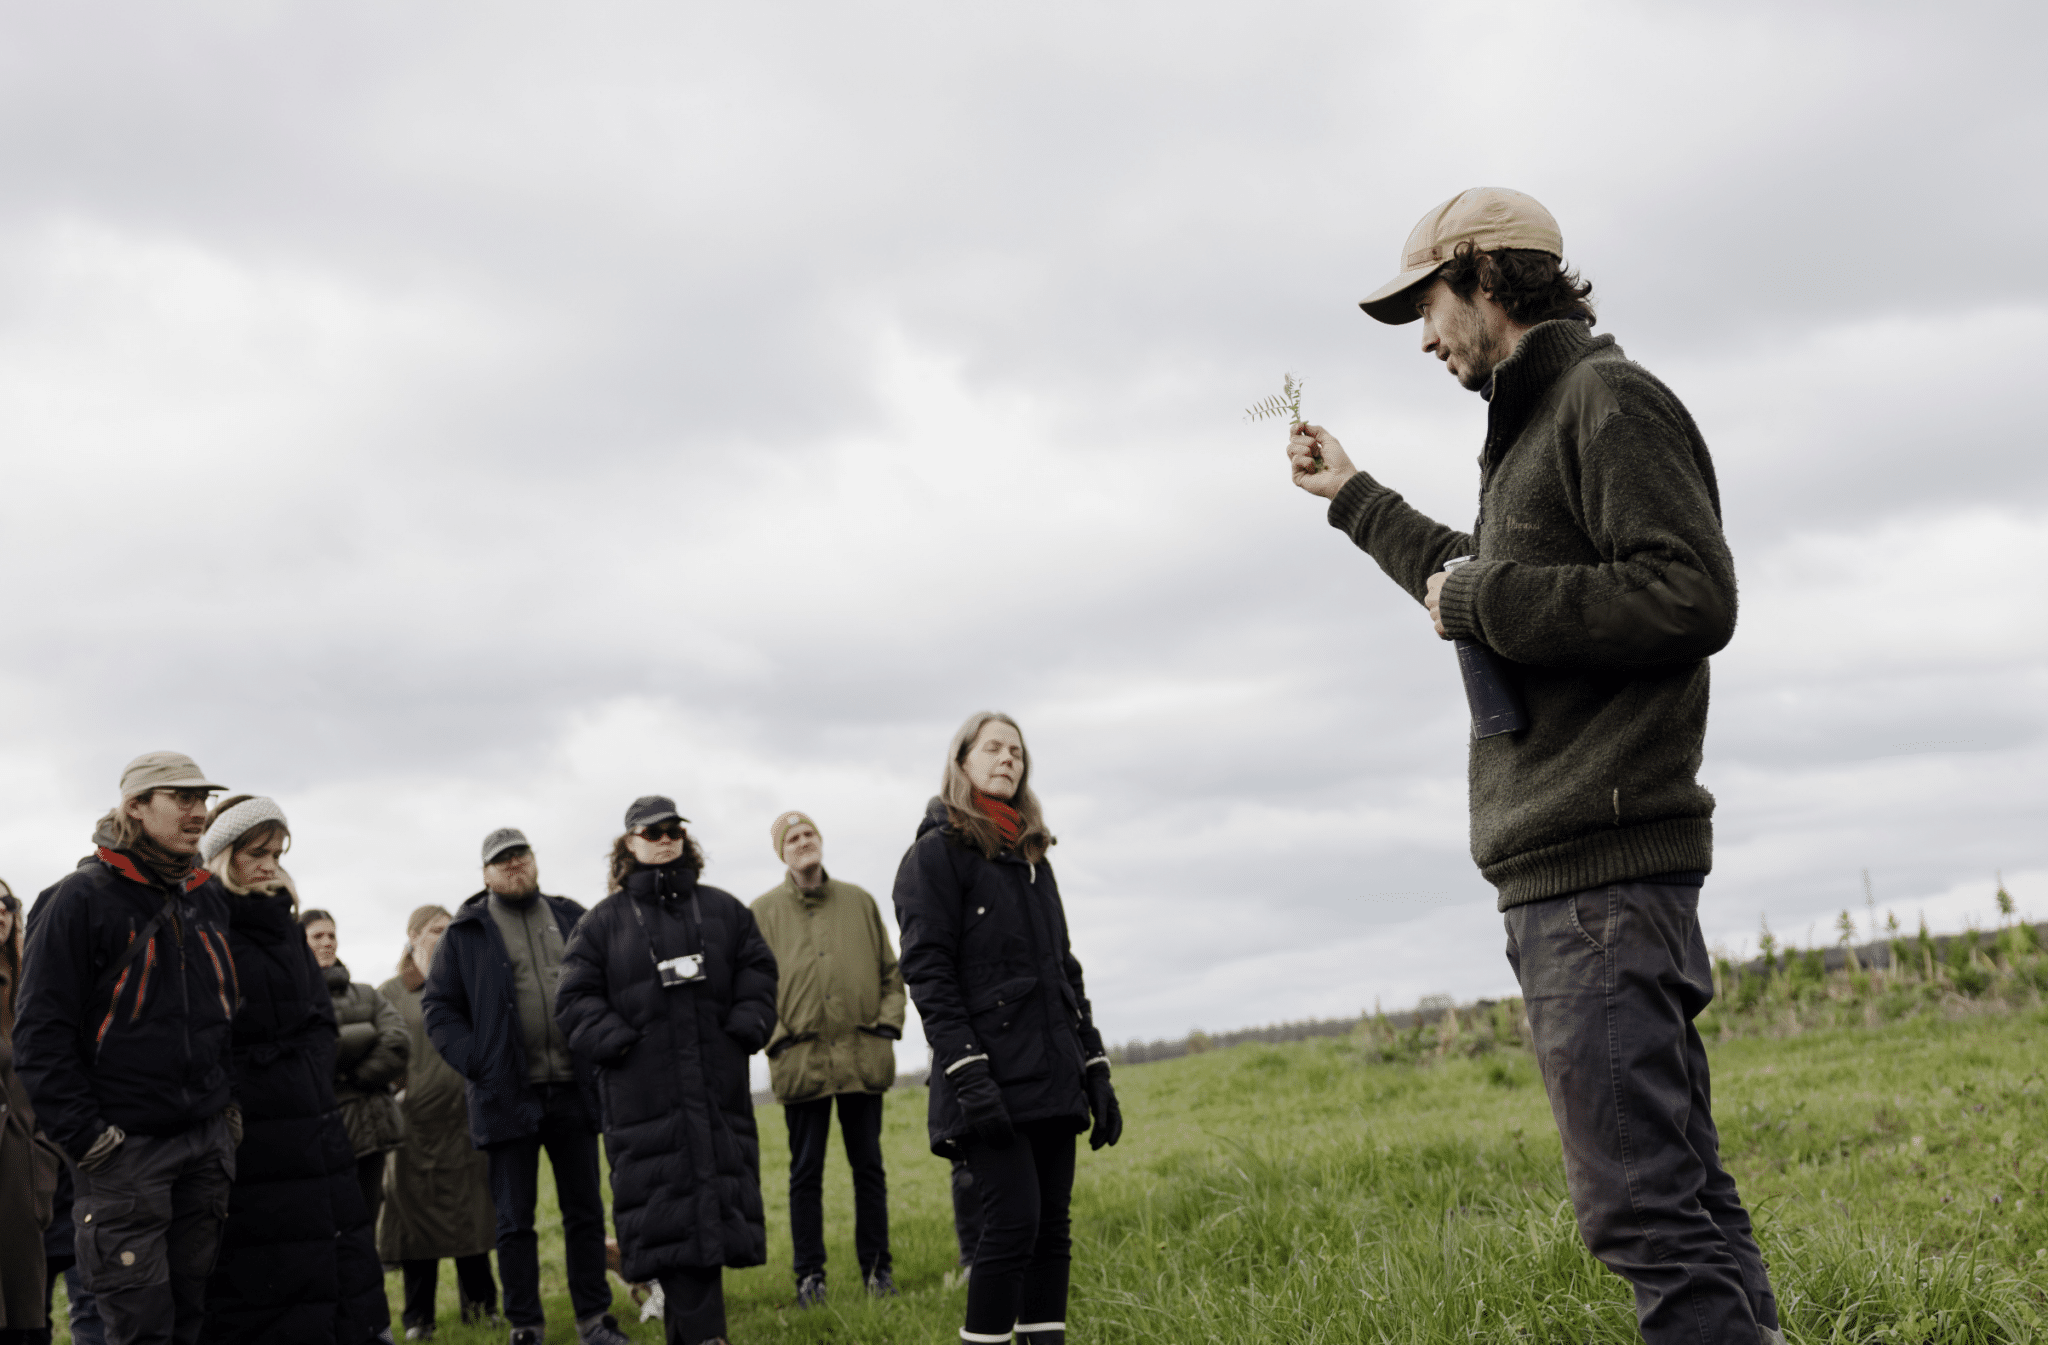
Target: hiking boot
{"x": 528, "y": 1335}
{"x": 881, "y": 1285}
{"x": 810, "y": 1290}
{"x": 1042, "y": 1333}
{"x": 601, "y": 1329}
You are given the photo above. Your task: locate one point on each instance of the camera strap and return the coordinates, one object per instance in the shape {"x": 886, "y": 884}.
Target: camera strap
{"x": 690, "y": 917}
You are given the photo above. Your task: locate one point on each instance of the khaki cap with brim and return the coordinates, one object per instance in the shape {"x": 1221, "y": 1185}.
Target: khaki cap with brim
{"x": 1489, "y": 218}
{"x": 162, "y": 770}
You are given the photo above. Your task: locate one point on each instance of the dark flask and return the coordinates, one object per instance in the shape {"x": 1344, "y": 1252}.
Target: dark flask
{"x": 1490, "y": 690}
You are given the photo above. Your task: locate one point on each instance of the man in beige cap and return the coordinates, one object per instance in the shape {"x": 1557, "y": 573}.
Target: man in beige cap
{"x": 1585, "y": 602}
{"x": 122, "y": 1038}
{"x": 839, "y": 1003}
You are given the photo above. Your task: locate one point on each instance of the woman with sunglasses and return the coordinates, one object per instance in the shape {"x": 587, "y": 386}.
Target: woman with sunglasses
{"x": 668, "y": 986}
{"x": 1017, "y": 1064}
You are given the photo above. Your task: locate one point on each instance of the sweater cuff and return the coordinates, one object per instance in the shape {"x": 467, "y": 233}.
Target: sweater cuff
{"x": 1347, "y": 507}
{"x": 1458, "y": 602}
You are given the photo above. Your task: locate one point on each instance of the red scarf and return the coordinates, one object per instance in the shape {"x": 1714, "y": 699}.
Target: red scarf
{"x": 1009, "y": 822}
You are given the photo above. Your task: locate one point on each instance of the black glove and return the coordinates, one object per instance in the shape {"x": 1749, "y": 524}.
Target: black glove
{"x": 884, "y": 1031}
{"x": 1109, "y": 1118}
{"x": 983, "y": 1103}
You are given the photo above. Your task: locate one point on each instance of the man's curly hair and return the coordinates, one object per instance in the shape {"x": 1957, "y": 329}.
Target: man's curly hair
{"x": 1532, "y": 286}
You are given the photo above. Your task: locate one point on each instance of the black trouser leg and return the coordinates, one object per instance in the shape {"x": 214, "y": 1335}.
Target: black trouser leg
{"x": 693, "y": 1305}
{"x": 370, "y": 1176}
{"x": 477, "y": 1286}
{"x": 422, "y": 1282}
{"x": 1021, "y": 1265}
{"x": 515, "y": 1179}
{"x": 571, "y": 1141}
{"x": 809, "y": 1123}
{"x": 860, "y": 1129}
{"x": 1612, "y": 978}
{"x": 966, "y": 1211}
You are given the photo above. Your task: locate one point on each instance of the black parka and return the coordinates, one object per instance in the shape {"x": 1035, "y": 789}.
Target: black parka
{"x": 297, "y": 1265}
{"x": 986, "y": 957}
{"x": 672, "y": 1076}
{"x": 471, "y": 1010}
{"x": 150, "y": 1053}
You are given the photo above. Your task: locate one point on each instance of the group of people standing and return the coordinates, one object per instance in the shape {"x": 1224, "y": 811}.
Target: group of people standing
{"x": 205, "y": 1115}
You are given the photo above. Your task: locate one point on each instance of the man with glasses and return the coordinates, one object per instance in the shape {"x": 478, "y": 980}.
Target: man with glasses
{"x": 489, "y": 1006}
{"x": 122, "y": 1036}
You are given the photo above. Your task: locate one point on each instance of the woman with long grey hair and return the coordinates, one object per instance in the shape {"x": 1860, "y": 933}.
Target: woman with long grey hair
{"x": 1018, "y": 1066}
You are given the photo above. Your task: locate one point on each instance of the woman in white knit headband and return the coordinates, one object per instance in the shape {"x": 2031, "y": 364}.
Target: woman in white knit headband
{"x": 297, "y": 1227}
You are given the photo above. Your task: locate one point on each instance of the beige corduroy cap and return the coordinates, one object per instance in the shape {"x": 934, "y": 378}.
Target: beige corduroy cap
{"x": 779, "y": 828}
{"x": 1490, "y": 218}
{"x": 162, "y": 770}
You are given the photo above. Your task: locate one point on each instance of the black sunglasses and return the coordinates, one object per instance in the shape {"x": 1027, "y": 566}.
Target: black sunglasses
{"x": 661, "y": 831}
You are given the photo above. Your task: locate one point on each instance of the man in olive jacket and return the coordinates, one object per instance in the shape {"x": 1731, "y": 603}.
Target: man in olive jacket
{"x": 840, "y": 1009}
{"x": 1596, "y": 582}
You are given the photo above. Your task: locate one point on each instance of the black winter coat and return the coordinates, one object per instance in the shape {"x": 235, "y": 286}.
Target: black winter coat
{"x": 472, "y": 1016}
{"x": 678, "y": 1112}
{"x": 986, "y": 957}
{"x": 151, "y": 1055}
{"x": 297, "y": 1263}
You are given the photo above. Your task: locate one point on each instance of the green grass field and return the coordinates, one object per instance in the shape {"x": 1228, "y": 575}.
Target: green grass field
{"x": 1321, "y": 1192}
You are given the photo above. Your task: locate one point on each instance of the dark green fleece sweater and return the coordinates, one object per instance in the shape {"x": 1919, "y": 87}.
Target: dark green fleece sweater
{"x": 1602, "y": 575}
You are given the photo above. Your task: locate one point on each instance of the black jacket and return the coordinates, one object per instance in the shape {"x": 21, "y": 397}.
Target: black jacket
{"x": 297, "y": 1263}
{"x": 678, "y": 1113}
{"x": 472, "y": 1018}
{"x": 986, "y": 956}
{"x": 151, "y": 1054}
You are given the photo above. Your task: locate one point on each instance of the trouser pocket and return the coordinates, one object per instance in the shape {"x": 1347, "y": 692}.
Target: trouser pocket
{"x": 120, "y": 1242}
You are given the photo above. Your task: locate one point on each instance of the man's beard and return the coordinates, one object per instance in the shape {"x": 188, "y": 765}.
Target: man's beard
{"x": 1480, "y": 359}
{"x": 531, "y": 887}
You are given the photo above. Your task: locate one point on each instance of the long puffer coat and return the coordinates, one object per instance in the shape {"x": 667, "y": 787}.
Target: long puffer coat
{"x": 29, "y": 1168}
{"x": 672, "y": 1077}
{"x": 370, "y": 1058}
{"x": 986, "y": 956}
{"x": 437, "y": 1189}
{"x": 296, "y": 1259}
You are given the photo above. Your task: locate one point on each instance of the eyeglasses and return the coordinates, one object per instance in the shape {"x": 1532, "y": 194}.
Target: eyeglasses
{"x": 661, "y": 831}
{"x": 511, "y": 855}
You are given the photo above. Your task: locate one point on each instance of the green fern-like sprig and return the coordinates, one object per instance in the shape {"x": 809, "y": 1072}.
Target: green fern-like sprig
{"x": 1286, "y": 402}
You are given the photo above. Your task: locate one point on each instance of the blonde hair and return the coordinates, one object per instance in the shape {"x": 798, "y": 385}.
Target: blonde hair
{"x": 410, "y": 971}
{"x": 221, "y": 865}
{"x": 956, "y": 791}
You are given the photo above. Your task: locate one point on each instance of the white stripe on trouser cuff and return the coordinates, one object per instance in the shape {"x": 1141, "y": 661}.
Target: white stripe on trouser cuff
{"x": 1041, "y": 1326}
{"x": 980, "y": 1339}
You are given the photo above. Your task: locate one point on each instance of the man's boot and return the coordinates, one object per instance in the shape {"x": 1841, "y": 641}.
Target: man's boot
{"x": 1041, "y": 1333}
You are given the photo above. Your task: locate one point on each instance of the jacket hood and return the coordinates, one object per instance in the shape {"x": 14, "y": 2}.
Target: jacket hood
{"x": 674, "y": 879}
{"x": 935, "y": 816}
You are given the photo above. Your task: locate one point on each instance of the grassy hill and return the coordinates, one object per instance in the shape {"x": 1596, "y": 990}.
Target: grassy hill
{"x": 1345, "y": 1190}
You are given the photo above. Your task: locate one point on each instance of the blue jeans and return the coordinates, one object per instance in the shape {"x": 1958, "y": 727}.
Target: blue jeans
{"x": 85, "y": 1313}
{"x": 1612, "y": 978}
{"x": 569, "y": 1137}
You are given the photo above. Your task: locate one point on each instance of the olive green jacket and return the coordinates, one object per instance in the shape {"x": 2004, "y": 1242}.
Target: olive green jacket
{"x": 839, "y": 1000}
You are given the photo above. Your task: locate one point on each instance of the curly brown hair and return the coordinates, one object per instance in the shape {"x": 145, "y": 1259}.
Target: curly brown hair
{"x": 1532, "y": 286}
{"x": 623, "y": 865}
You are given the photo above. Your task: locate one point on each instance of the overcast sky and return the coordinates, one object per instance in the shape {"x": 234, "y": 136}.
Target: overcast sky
{"x": 445, "y": 417}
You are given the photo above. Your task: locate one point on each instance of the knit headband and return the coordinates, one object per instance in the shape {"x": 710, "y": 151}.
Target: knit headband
{"x": 236, "y": 823}
{"x": 781, "y": 825}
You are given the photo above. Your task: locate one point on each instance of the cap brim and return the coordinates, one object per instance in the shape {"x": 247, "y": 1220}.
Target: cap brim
{"x": 1394, "y": 302}
{"x": 176, "y": 784}
{"x": 650, "y": 821}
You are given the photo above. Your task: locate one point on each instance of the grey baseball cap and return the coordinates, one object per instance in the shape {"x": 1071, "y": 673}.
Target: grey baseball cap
{"x": 162, "y": 770}
{"x": 503, "y": 839}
